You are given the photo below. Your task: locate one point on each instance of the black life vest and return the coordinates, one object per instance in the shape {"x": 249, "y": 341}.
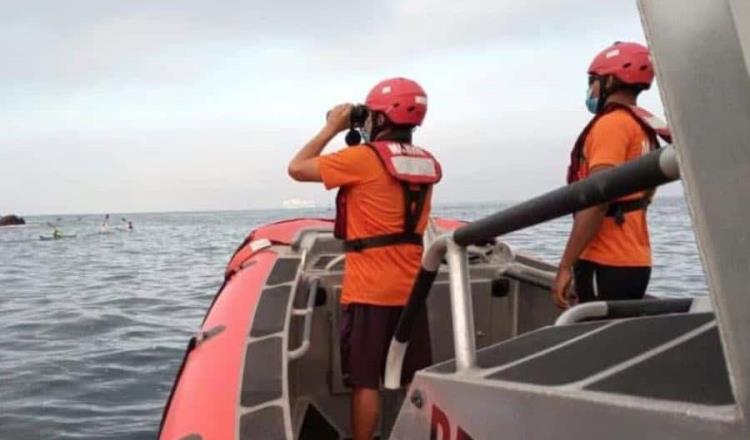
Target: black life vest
{"x": 416, "y": 170}
{"x": 654, "y": 128}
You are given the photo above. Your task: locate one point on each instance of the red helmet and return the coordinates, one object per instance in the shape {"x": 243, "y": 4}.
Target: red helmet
{"x": 402, "y": 100}
{"x": 628, "y": 62}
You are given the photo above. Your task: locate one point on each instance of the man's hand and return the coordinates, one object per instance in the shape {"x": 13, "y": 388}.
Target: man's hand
{"x": 560, "y": 287}
{"x": 586, "y": 224}
{"x": 304, "y": 165}
{"x": 337, "y": 119}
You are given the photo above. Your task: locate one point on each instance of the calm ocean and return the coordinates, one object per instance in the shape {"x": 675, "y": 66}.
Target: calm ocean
{"x": 93, "y": 327}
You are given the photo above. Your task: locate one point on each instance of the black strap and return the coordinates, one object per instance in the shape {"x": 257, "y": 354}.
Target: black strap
{"x": 414, "y": 200}
{"x": 358, "y": 244}
{"x": 619, "y": 209}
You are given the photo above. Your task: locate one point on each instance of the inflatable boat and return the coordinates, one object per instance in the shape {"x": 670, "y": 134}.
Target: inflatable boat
{"x": 265, "y": 362}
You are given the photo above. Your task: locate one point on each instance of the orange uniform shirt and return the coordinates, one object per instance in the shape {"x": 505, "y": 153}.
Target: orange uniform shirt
{"x": 375, "y": 206}
{"x": 615, "y": 139}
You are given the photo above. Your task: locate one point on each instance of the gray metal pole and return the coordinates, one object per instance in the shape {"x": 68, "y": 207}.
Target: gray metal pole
{"x": 463, "y": 311}
{"x": 417, "y": 299}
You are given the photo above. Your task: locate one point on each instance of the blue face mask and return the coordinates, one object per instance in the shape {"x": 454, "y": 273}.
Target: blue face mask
{"x": 591, "y": 103}
{"x": 365, "y": 136}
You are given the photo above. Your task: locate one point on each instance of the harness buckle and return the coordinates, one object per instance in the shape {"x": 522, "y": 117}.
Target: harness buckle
{"x": 357, "y": 245}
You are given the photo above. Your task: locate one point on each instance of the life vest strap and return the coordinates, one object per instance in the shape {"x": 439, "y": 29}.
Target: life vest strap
{"x": 414, "y": 201}
{"x": 619, "y": 209}
{"x": 359, "y": 244}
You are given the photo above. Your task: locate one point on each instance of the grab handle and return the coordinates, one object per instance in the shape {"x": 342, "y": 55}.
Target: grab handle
{"x": 630, "y": 309}
{"x": 308, "y": 314}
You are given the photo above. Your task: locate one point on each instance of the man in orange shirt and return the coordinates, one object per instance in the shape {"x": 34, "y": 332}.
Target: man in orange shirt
{"x": 608, "y": 251}
{"x": 385, "y": 191}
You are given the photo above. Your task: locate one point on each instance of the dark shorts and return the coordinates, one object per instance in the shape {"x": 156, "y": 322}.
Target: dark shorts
{"x": 597, "y": 282}
{"x": 366, "y": 331}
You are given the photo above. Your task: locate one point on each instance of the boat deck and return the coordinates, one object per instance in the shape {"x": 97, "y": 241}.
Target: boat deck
{"x": 529, "y": 385}
{"x": 631, "y": 357}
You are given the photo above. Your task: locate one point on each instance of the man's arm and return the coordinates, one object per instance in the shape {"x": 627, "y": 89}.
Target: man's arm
{"x": 304, "y": 165}
{"x": 586, "y": 224}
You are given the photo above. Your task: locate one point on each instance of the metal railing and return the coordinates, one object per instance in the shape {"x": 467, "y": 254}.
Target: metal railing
{"x": 624, "y": 309}
{"x": 307, "y": 313}
{"x": 647, "y": 172}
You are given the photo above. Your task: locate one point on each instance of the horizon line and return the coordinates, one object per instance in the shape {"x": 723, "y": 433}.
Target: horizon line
{"x": 316, "y": 208}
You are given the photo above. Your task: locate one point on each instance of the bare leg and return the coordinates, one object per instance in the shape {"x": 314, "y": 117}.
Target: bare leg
{"x": 365, "y": 407}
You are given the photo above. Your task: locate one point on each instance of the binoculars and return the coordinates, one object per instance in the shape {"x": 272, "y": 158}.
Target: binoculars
{"x": 357, "y": 118}
{"x": 358, "y": 115}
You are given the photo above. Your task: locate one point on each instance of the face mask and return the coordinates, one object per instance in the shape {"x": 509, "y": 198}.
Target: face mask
{"x": 591, "y": 103}
{"x": 365, "y": 136}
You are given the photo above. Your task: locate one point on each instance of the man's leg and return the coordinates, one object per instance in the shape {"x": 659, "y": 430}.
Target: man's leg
{"x": 365, "y": 408}
{"x": 622, "y": 283}
{"x": 583, "y": 274}
{"x": 364, "y": 339}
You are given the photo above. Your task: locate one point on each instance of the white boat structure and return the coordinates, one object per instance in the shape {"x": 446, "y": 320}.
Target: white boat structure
{"x": 299, "y": 204}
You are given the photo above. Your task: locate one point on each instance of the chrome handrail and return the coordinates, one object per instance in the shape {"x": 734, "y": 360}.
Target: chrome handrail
{"x": 431, "y": 260}
{"x": 461, "y": 305}
{"x": 631, "y": 309}
{"x": 308, "y": 314}
{"x": 582, "y": 312}
{"x": 463, "y": 311}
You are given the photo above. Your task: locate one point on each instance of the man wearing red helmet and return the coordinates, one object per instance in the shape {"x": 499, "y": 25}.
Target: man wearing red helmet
{"x": 608, "y": 251}
{"x": 383, "y": 204}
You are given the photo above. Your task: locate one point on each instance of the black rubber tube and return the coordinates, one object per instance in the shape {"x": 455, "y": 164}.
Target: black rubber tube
{"x": 638, "y": 175}
{"x": 417, "y": 301}
{"x": 647, "y": 307}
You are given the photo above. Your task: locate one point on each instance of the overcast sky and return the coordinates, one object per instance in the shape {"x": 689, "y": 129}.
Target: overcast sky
{"x": 118, "y": 106}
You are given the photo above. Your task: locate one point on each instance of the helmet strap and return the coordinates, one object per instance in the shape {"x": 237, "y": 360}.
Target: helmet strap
{"x": 376, "y": 127}
{"x": 606, "y": 92}
{"x": 388, "y": 131}
{"x": 603, "y": 94}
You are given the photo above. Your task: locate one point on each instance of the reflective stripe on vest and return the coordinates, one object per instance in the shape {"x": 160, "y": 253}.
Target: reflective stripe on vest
{"x": 414, "y": 166}
{"x": 408, "y": 163}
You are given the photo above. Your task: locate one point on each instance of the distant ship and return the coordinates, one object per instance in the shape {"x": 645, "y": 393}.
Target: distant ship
{"x": 298, "y": 204}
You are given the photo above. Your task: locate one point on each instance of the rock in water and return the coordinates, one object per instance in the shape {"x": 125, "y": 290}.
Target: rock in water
{"x": 10, "y": 220}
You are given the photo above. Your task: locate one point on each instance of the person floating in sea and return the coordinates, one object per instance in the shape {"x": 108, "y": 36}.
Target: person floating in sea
{"x": 104, "y": 228}
{"x": 608, "y": 252}
{"x": 382, "y": 233}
